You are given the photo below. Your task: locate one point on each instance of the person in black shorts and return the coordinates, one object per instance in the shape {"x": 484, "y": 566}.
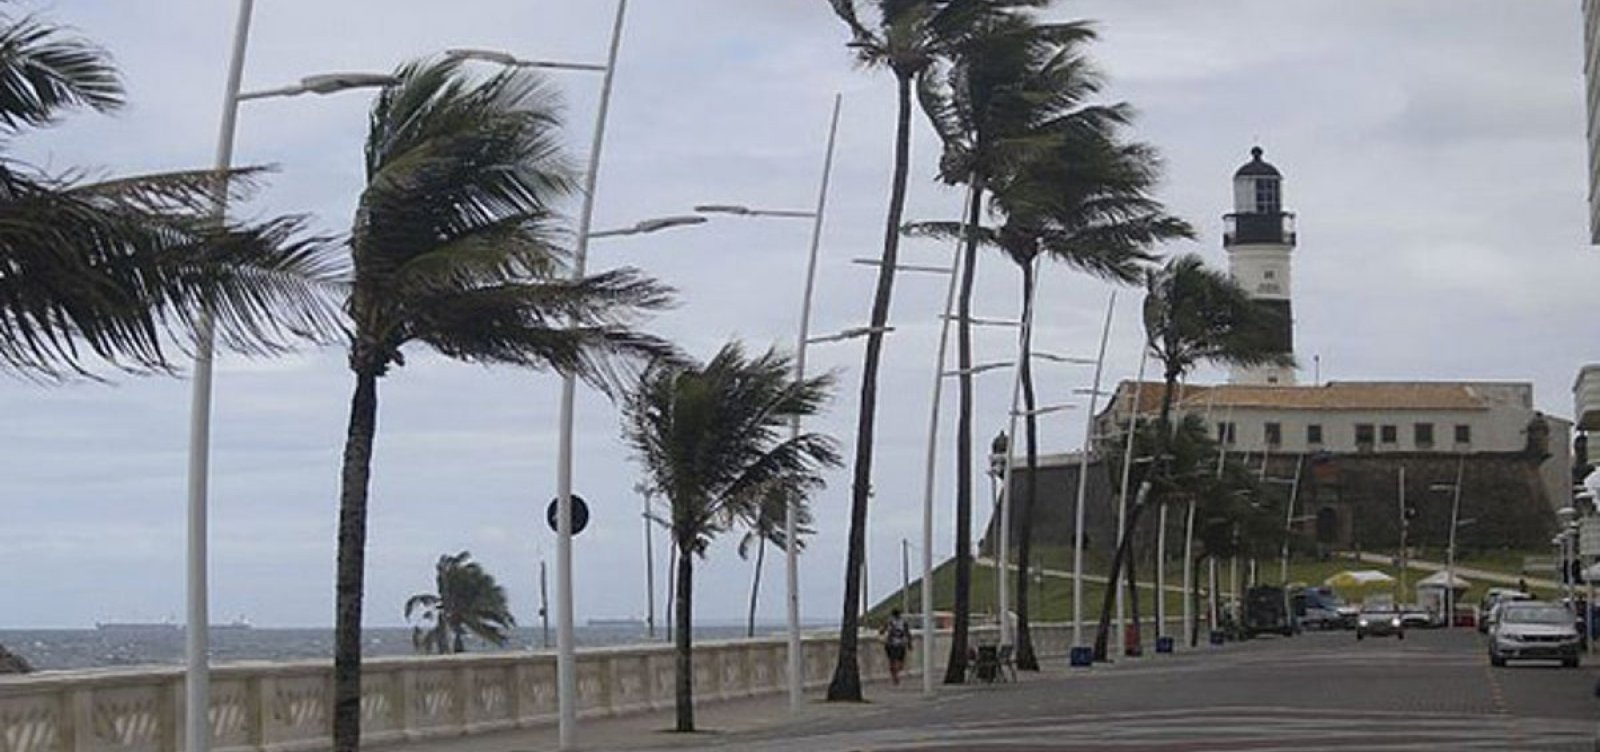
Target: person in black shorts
{"x": 896, "y": 642}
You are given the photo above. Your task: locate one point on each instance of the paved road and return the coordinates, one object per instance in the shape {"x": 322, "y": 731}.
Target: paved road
{"x": 1432, "y": 691}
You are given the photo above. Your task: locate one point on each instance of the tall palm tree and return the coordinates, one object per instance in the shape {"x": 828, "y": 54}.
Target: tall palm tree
{"x": 116, "y": 270}
{"x": 454, "y": 248}
{"x": 1014, "y": 113}
{"x": 981, "y": 99}
{"x": 712, "y": 440}
{"x": 766, "y": 525}
{"x": 1192, "y": 314}
{"x": 465, "y": 599}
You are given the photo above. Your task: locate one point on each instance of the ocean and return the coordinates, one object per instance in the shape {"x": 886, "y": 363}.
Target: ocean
{"x": 61, "y": 649}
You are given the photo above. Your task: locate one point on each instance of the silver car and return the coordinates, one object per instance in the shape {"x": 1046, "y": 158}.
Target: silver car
{"x": 1380, "y": 619}
{"x": 1533, "y": 630}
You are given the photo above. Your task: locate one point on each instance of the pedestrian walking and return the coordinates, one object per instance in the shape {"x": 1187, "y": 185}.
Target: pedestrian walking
{"x": 896, "y": 643}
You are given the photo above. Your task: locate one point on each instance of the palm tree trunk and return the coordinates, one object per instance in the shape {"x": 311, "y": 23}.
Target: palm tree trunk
{"x": 1026, "y": 659}
{"x": 755, "y": 586}
{"x": 1135, "y": 646}
{"x": 1113, "y": 581}
{"x": 355, "y": 475}
{"x": 684, "y": 615}
{"x": 1194, "y": 601}
{"x": 846, "y": 683}
{"x": 956, "y": 667}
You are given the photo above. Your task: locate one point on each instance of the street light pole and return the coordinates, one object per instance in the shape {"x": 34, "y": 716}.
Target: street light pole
{"x": 1122, "y": 498}
{"x": 1450, "y": 555}
{"x": 197, "y": 638}
{"x": 932, "y": 458}
{"x": 1010, "y": 462}
{"x": 1083, "y": 480}
{"x": 566, "y": 655}
{"x": 791, "y": 558}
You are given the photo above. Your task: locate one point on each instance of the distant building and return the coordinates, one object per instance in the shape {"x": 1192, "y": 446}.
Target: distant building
{"x": 1591, "y": 68}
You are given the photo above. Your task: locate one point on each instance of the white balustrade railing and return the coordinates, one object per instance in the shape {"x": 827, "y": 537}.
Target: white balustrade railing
{"x": 285, "y": 706}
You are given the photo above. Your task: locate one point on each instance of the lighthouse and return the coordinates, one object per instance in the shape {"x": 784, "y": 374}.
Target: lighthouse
{"x": 1259, "y": 238}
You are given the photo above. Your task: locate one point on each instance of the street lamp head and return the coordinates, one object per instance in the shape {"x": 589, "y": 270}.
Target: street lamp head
{"x": 328, "y": 83}
{"x": 662, "y": 223}
{"x": 487, "y": 56}
{"x": 734, "y": 209}
{"x": 1566, "y": 513}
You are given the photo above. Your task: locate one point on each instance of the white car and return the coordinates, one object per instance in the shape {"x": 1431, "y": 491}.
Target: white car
{"x": 1533, "y": 630}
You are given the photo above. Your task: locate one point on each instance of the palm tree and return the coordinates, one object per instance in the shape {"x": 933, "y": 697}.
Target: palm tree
{"x": 453, "y": 248}
{"x": 1192, "y": 315}
{"x": 712, "y": 440}
{"x": 908, "y": 37}
{"x": 980, "y": 101}
{"x": 1013, "y": 112}
{"x": 465, "y": 599}
{"x": 766, "y": 525}
{"x": 116, "y": 270}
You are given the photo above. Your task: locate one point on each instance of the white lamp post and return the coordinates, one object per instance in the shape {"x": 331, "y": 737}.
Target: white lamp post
{"x": 791, "y": 558}
{"x": 197, "y": 693}
{"x": 566, "y": 656}
{"x": 1083, "y": 473}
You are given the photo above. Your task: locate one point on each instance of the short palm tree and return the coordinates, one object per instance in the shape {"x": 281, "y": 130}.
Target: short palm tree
{"x": 1192, "y": 314}
{"x": 766, "y": 525}
{"x": 454, "y": 248}
{"x": 116, "y": 270}
{"x": 466, "y": 599}
{"x": 713, "y": 441}
{"x": 907, "y": 37}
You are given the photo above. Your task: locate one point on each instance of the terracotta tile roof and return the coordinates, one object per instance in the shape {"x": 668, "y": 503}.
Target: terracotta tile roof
{"x": 1335, "y": 395}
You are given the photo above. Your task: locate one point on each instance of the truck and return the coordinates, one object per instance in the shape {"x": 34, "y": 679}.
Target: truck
{"x": 1266, "y": 611}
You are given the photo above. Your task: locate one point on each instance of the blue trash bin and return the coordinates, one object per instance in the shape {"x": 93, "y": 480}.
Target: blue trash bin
{"x": 1082, "y": 656}
{"x": 1163, "y": 644}
{"x": 1217, "y": 638}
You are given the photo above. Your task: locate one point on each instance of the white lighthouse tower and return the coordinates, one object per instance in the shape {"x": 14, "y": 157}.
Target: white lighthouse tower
{"x": 1259, "y": 238}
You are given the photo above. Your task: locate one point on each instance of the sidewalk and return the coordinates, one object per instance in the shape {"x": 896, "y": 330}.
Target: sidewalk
{"x": 715, "y": 721}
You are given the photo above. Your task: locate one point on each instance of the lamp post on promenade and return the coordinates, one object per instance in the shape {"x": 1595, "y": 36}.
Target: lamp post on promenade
{"x": 1450, "y": 553}
{"x": 791, "y": 558}
{"x": 197, "y": 638}
{"x": 566, "y": 656}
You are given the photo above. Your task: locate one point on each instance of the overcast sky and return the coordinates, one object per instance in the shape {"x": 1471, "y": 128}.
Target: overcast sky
{"x": 1433, "y": 150}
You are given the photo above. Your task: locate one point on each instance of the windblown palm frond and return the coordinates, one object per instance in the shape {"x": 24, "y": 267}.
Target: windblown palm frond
{"x": 44, "y": 70}
{"x": 1195, "y": 314}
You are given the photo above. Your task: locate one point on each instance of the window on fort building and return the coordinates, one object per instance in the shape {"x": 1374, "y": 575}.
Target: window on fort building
{"x": 1274, "y": 433}
{"x": 1364, "y": 435}
{"x": 1423, "y": 433}
{"x": 1314, "y": 434}
{"x": 1388, "y": 434}
{"x": 1463, "y": 433}
{"x": 1225, "y": 433}
{"x": 1269, "y": 274}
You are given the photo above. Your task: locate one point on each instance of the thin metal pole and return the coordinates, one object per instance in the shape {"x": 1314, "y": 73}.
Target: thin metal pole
{"x": 197, "y": 678}
{"x": 1404, "y": 524}
{"x": 649, "y": 573}
{"x": 566, "y": 655}
{"x": 928, "y": 624}
{"x": 1010, "y": 466}
{"x": 1288, "y": 527}
{"x": 905, "y": 576}
{"x": 1450, "y": 562}
{"x": 1083, "y": 479}
{"x": 1188, "y": 575}
{"x": 1161, "y": 572}
{"x": 544, "y": 602}
{"x": 791, "y": 554}
{"x": 1122, "y": 498}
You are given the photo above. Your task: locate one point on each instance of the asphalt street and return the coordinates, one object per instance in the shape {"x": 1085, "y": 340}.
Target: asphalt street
{"x": 1432, "y": 691}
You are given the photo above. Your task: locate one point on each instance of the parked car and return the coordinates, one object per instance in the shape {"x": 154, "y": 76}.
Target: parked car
{"x": 1493, "y": 597}
{"x": 1412, "y": 615}
{"x": 1319, "y": 608}
{"x": 1265, "y": 612}
{"x": 1534, "y": 630}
